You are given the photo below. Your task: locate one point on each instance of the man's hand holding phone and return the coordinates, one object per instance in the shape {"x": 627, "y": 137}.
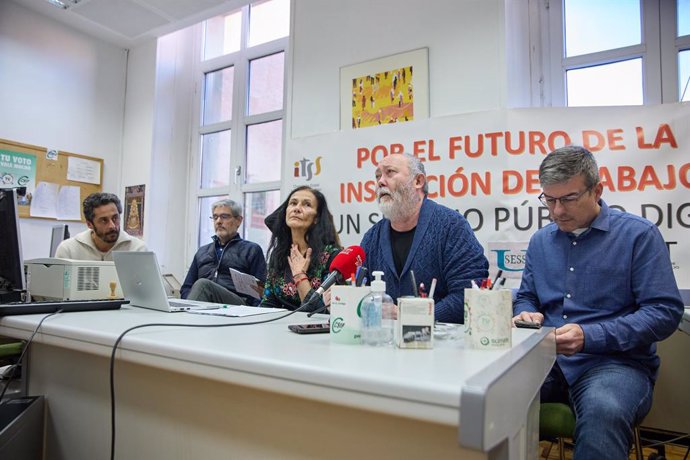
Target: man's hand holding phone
{"x": 528, "y": 320}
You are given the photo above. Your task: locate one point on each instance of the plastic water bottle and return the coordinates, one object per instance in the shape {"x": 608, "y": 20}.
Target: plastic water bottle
{"x": 389, "y": 314}
{"x": 377, "y": 327}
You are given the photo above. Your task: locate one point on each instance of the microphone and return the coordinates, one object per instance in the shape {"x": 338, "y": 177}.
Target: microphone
{"x": 344, "y": 265}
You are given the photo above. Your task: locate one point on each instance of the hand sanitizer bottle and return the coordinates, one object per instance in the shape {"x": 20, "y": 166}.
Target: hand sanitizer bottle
{"x": 377, "y": 321}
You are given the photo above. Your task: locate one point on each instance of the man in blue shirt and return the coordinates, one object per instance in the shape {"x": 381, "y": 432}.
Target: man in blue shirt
{"x": 603, "y": 279}
{"x": 209, "y": 278}
{"x": 419, "y": 237}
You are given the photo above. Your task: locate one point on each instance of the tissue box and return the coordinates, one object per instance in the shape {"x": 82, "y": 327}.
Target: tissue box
{"x": 415, "y": 326}
{"x": 345, "y": 313}
{"x": 488, "y": 316}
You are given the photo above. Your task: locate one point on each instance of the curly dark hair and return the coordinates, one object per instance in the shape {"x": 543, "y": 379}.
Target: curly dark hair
{"x": 320, "y": 234}
{"x": 96, "y": 200}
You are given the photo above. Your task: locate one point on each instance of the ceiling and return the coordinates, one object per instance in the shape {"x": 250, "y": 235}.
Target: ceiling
{"x": 127, "y": 23}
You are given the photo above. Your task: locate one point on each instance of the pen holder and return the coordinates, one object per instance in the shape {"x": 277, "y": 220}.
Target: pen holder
{"x": 415, "y": 326}
{"x": 345, "y": 307}
{"x": 488, "y": 317}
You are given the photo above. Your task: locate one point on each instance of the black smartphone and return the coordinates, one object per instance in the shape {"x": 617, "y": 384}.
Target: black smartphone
{"x": 312, "y": 328}
{"x": 527, "y": 324}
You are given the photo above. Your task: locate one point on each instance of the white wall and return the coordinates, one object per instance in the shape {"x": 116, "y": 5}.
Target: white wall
{"x": 175, "y": 98}
{"x": 63, "y": 89}
{"x": 466, "y": 41}
{"x": 59, "y": 89}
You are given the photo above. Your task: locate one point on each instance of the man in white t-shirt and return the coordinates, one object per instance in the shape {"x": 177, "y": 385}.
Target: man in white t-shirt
{"x": 102, "y": 212}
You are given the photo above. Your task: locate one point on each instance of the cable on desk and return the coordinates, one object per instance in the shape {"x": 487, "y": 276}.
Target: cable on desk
{"x": 21, "y": 356}
{"x": 119, "y": 339}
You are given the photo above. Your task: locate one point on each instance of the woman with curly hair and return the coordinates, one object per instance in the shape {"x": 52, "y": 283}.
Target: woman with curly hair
{"x": 303, "y": 244}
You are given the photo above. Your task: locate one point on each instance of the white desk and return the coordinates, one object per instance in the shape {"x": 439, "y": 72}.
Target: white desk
{"x": 263, "y": 392}
{"x": 685, "y": 321}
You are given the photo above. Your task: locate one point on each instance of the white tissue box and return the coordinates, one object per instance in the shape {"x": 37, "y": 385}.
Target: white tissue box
{"x": 345, "y": 318}
{"x": 415, "y": 325}
{"x": 488, "y": 316}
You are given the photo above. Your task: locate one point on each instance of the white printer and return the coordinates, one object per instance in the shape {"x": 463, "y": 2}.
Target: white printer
{"x": 69, "y": 279}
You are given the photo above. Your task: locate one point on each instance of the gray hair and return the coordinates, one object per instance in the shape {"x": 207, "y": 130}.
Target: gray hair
{"x": 417, "y": 167}
{"x": 564, "y": 163}
{"x": 96, "y": 200}
{"x": 235, "y": 208}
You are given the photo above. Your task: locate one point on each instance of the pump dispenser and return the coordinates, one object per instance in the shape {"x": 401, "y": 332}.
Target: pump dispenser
{"x": 378, "y": 314}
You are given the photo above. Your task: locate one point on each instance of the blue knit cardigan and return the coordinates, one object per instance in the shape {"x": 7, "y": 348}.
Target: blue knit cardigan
{"x": 444, "y": 247}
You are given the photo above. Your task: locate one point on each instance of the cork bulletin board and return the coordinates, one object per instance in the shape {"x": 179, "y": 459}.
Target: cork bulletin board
{"x": 48, "y": 166}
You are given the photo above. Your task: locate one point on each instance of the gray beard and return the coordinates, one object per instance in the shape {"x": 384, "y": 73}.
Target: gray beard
{"x": 403, "y": 204}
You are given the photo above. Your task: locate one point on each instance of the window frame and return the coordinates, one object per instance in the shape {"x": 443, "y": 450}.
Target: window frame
{"x": 658, "y": 51}
{"x": 237, "y": 188}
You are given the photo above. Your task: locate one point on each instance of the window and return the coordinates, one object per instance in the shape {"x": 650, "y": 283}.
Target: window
{"x": 241, "y": 111}
{"x": 627, "y": 52}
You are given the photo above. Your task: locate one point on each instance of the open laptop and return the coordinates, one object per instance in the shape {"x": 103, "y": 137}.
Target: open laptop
{"x": 142, "y": 284}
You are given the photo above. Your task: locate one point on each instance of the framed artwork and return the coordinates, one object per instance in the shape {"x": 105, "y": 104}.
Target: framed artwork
{"x": 392, "y": 89}
{"x": 133, "y": 222}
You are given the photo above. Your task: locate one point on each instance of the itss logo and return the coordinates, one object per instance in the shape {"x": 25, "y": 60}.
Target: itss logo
{"x": 307, "y": 168}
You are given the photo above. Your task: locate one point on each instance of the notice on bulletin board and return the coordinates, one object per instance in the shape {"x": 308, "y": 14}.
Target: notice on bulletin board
{"x": 83, "y": 170}
{"x": 17, "y": 170}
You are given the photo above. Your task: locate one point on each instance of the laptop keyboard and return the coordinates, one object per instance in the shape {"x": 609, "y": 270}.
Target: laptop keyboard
{"x": 177, "y": 303}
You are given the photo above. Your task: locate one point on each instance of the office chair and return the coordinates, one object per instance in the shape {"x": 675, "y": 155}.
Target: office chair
{"x": 10, "y": 350}
{"x": 557, "y": 421}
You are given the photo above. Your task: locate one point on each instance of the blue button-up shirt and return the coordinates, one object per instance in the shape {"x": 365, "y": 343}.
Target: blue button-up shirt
{"x": 615, "y": 280}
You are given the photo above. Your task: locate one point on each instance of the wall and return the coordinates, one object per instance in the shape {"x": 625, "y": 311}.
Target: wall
{"x": 63, "y": 89}
{"x": 60, "y": 89}
{"x": 466, "y": 41}
{"x": 170, "y": 164}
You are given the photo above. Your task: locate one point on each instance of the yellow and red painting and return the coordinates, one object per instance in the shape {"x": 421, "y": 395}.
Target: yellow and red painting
{"x": 385, "y": 97}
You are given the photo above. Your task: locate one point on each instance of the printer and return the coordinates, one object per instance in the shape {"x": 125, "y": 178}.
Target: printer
{"x": 69, "y": 279}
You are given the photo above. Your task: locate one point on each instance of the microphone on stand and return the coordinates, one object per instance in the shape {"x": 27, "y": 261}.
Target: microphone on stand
{"x": 344, "y": 265}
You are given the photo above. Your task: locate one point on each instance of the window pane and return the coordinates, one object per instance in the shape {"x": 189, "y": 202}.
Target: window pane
{"x": 619, "y": 83}
{"x": 257, "y": 206}
{"x": 205, "y": 224}
{"x": 218, "y": 95}
{"x": 263, "y": 151}
{"x": 683, "y": 17}
{"x": 684, "y": 76}
{"x": 268, "y": 21}
{"x": 595, "y": 25}
{"x": 222, "y": 35}
{"x": 266, "y": 84}
{"x": 215, "y": 159}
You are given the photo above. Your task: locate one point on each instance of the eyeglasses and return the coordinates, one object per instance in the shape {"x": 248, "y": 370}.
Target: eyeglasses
{"x": 567, "y": 200}
{"x": 221, "y": 217}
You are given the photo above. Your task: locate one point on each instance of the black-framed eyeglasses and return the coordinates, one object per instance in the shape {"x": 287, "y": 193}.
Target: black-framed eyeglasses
{"x": 221, "y": 217}
{"x": 567, "y": 200}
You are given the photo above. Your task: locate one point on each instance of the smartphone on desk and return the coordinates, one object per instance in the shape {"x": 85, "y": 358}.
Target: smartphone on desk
{"x": 312, "y": 328}
{"x": 527, "y": 324}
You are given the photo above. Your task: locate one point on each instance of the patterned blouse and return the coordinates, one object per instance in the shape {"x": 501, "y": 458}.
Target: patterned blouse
{"x": 280, "y": 290}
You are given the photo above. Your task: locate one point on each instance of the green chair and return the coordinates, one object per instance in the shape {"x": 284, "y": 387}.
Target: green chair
{"x": 557, "y": 421}
{"x": 12, "y": 349}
